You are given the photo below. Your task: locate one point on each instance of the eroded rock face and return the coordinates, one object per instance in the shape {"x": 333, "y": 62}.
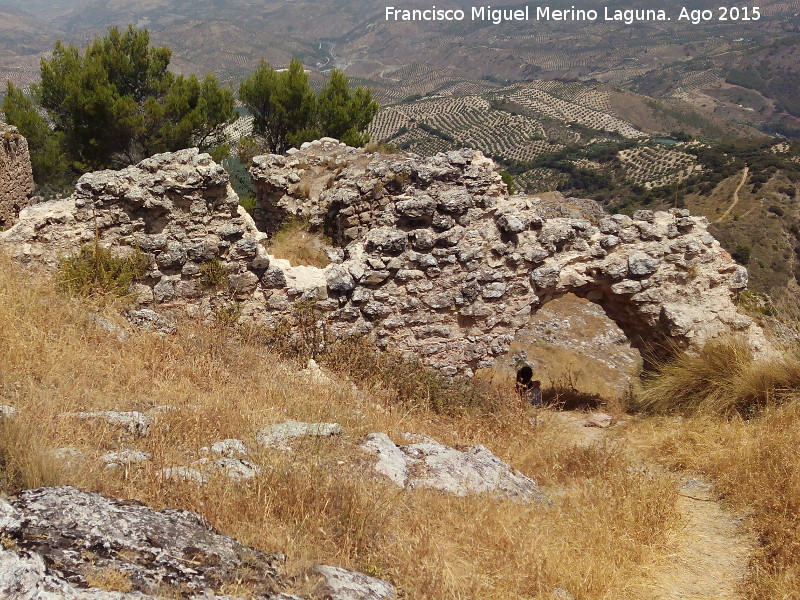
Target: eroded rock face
{"x": 434, "y": 258}
{"x": 16, "y": 176}
{"x": 78, "y": 533}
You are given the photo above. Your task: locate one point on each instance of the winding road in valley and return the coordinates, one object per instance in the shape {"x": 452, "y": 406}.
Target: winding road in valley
{"x": 735, "y": 196}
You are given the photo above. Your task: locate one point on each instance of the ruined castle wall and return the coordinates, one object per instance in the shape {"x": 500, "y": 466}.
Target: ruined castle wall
{"x": 440, "y": 261}
{"x": 16, "y": 177}
{"x": 434, "y": 257}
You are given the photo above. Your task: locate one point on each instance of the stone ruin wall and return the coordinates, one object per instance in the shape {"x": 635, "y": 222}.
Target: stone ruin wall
{"x": 16, "y": 176}
{"x": 433, "y": 257}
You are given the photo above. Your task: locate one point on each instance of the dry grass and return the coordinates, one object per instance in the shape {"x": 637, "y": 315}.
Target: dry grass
{"x": 755, "y": 464}
{"x": 112, "y": 580}
{"x": 723, "y": 378}
{"x": 745, "y": 436}
{"x": 319, "y": 503}
{"x": 297, "y": 244}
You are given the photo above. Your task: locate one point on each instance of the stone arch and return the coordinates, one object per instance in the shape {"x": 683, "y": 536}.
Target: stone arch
{"x": 572, "y": 346}
{"x": 447, "y": 266}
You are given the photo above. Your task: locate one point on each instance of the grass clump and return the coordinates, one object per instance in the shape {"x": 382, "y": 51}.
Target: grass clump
{"x": 411, "y": 383}
{"x": 723, "y": 378}
{"x": 296, "y": 243}
{"x": 213, "y": 275}
{"x": 97, "y": 271}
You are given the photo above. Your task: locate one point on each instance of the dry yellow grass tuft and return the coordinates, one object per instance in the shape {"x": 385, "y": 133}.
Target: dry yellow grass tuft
{"x": 297, "y": 244}
{"x": 112, "y": 580}
{"x": 320, "y": 503}
{"x": 722, "y": 379}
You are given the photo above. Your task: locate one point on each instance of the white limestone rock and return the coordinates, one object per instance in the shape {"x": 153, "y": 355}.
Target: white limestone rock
{"x": 459, "y": 471}
{"x": 282, "y": 435}
{"x": 341, "y": 584}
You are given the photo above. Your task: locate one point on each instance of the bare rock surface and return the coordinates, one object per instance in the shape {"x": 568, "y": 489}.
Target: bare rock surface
{"x": 24, "y": 577}
{"x": 236, "y": 469}
{"x": 68, "y": 455}
{"x": 230, "y": 447}
{"x": 599, "y": 419}
{"x": 132, "y": 422}
{"x": 460, "y": 471}
{"x": 281, "y": 435}
{"x": 7, "y": 412}
{"x": 124, "y": 457}
{"x": 341, "y": 584}
{"x": 61, "y": 534}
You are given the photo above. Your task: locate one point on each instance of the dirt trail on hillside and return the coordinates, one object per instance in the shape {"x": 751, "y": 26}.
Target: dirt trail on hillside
{"x": 712, "y": 549}
{"x": 735, "y": 196}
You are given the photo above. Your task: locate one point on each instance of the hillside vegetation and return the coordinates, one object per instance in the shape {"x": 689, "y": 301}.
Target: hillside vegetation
{"x": 609, "y": 528}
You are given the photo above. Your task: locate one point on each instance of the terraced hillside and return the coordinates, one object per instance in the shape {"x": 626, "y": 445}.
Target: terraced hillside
{"x": 572, "y": 136}
{"x": 536, "y": 129}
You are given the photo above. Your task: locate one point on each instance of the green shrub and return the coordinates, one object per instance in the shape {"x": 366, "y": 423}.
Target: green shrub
{"x": 213, "y": 275}
{"x": 228, "y": 314}
{"x": 776, "y": 210}
{"x": 508, "y": 179}
{"x": 95, "y": 270}
{"x": 742, "y": 254}
{"x": 248, "y": 203}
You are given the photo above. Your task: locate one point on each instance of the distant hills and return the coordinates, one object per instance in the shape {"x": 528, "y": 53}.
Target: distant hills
{"x": 632, "y": 115}
{"x": 736, "y": 70}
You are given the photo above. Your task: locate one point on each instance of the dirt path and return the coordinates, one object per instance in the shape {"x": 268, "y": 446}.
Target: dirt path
{"x": 712, "y": 551}
{"x": 711, "y": 548}
{"x": 735, "y": 196}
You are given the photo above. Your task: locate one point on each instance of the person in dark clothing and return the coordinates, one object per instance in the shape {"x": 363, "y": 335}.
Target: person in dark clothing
{"x": 527, "y": 387}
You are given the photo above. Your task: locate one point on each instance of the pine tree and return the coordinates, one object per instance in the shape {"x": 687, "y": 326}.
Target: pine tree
{"x": 345, "y": 114}
{"x": 118, "y": 103}
{"x": 47, "y": 158}
{"x": 288, "y": 113}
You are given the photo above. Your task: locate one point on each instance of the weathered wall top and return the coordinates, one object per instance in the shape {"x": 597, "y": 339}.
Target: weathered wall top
{"x": 16, "y": 177}
{"x": 433, "y": 255}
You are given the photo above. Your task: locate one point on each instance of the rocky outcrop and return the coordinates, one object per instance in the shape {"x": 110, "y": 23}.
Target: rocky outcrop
{"x": 56, "y": 541}
{"x": 64, "y": 538}
{"x": 425, "y": 463}
{"x": 341, "y": 584}
{"x": 16, "y": 176}
{"x": 433, "y": 257}
{"x": 281, "y": 435}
